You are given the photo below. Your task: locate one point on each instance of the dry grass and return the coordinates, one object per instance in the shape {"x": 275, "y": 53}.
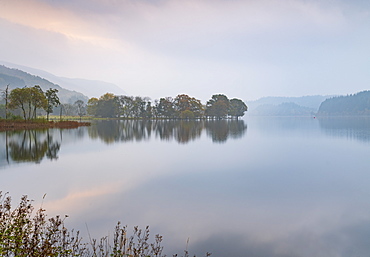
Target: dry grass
{"x": 26, "y": 232}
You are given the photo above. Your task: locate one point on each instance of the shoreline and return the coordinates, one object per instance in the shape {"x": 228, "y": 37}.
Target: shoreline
{"x": 10, "y": 125}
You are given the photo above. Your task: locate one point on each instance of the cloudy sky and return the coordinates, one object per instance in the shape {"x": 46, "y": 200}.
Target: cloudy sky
{"x": 242, "y": 48}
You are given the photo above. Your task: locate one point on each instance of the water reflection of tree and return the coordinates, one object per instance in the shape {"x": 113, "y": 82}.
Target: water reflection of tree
{"x": 349, "y": 127}
{"x": 188, "y": 130}
{"x": 237, "y": 128}
{"x": 114, "y": 131}
{"x": 31, "y": 146}
{"x": 53, "y": 147}
{"x": 220, "y": 130}
{"x": 181, "y": 131}
{"x": 108, "y": 131}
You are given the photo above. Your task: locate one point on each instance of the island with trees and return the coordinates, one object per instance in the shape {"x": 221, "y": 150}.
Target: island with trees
{"x": 30, "y": 105}
{"x": 181, "y": 107}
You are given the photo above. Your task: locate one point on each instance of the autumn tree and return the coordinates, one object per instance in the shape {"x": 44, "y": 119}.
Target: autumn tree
{"x": 188, "y": 107}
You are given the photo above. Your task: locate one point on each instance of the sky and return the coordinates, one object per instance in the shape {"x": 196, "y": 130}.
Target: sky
{"x": 246, "y": 49}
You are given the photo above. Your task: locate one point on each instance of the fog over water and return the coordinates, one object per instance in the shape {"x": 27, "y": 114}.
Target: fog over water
{"x": 262, "y": 186}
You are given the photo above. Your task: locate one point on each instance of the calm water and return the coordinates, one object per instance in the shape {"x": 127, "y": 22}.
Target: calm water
{"x": 257, "y": 187}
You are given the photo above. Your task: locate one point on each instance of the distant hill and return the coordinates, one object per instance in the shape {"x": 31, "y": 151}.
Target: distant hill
{"x": 90, "y": 88}
{"x": 18, "y": 78}
{"x": 285, "y": 106}
{"x": 284, "y": 109}
{"x": 357, "y": 104}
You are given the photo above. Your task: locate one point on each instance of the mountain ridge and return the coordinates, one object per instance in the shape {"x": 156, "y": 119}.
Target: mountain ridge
{"x": 90, "y": 88}
{"x": 16, "y": 78}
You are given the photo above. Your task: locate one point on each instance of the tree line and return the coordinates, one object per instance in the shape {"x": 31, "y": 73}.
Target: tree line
{"x": 180, "y": 107}
{"x": 29, "y": 100}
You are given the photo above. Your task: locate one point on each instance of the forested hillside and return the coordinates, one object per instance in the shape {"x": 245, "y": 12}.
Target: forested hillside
{"x": 17, "y": 79}
{"x": 357, "y": 104}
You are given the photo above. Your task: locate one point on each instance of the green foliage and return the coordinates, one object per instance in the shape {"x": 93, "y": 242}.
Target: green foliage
{"x": 217, "y": 106}
{"x": 25, "y": 232}
{"x": 237, "y": 108}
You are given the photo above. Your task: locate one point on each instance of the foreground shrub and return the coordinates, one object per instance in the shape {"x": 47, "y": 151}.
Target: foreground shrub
{"x": 26, "y": 232}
